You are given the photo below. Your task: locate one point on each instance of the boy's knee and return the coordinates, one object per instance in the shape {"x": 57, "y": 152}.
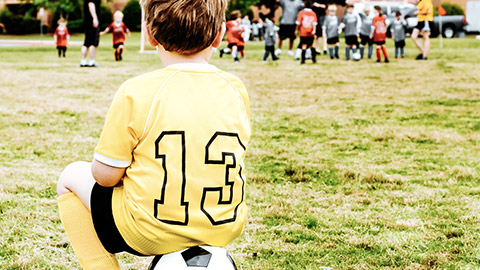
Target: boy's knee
{"x": 69, "y": 173}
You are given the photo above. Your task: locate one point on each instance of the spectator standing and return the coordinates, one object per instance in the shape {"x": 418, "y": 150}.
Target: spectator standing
{"x": 91, "y": 9}
{"x": 290, "y": 9}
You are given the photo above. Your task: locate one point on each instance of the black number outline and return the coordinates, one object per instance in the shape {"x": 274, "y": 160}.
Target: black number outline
{"x": 227, "y": 183}
{"x": 184, "y": 179}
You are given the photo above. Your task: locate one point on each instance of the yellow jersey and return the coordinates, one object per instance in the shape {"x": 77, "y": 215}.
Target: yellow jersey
{"x": 425, "y": 6}
{"x": 182, "y": 134}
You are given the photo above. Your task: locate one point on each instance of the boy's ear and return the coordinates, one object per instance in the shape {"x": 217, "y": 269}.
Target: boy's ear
{"x": 150, "y": 38}
{"x": 218, "y": 39}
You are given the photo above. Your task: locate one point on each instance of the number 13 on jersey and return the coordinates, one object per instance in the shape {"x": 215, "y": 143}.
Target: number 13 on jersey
{"x": 218, "y": 203}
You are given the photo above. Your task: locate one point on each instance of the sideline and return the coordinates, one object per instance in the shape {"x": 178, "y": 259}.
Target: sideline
{"x": 25, "y": 43}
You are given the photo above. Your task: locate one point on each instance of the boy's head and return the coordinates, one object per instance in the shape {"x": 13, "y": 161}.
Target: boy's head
{"x": 62, "y": 22}
{"x": 118, "y": 16}
{"x": 398, "y": 14}
{"x": 332, "y": 10}
{"x": 367, "y": 10}
{"x": 350, "y": 8}
{"x": 308, "y": 3}
{"x": 184, "y": 26}
{"x": 378, "y": 9}
{"x": 235, "y": 15}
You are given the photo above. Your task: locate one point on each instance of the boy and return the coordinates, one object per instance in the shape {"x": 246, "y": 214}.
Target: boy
{"x": 290, "y": 9}
{"x": 306, "y": 26}
{"x": 349, "y": 23}
{"x": 398, "y": 34}
{"x": 270, "y": 38}
{"x": 168, "y": 171}
{"x": 61, "y": 37}
{"x": 379, "y": 34}
{"x": 330, "y": 30}
{"x": 365, "y": 31}
{"x": 234, "y": 35}
{"x": 118, "y": 29}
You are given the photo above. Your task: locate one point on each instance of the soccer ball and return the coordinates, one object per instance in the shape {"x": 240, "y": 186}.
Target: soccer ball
{"x": 356, "y": 56}
{"x": 198, "y": 257}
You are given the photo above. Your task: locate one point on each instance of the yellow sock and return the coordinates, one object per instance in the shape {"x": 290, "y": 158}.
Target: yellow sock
{"x": 78, "y": 224}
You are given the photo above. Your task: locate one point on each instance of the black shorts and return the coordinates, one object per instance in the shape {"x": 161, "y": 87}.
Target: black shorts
{"x": 400, "y": 44}
{"x": 115, "y": 46}
{"x": 332, "y": 41}
{"x": 307, "y": 40}
{"x": 364, "y": 40}
{"x": 379, "y": 42}
{"x": 319, "y": 29}
{"x": 421, "y": 25}
{"x": 287, "y": 31}
{"x": 92, "y": 37}
{"x": 104, "y": 223}
{"x": 351, "y": 40}
{"x": 61, "y": 47}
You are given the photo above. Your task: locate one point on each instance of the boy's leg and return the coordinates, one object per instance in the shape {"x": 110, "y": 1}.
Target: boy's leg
{"x": 304, "y": 53}
{"x": 370, "y": 51}
{"x": 379, "y": 56}
{"x": 354, "y": 48}
{"x": 337, "y": 48}
{"x": 267, "y": 52}
{"x": 120, "y": 52}
{"x": 331, "y": 52}
{"x": 59, "y": 52}
{"x": 314, "y": 54}
{"x": 64, "y": 51}
{"x": 362, "y": 51}
{"x": 397, "y": 50}
{"x": 74, "y": 188}
{"x": 402, "y": 52}
{"x": 385, "y": 52}
{"x": 426, "y": 44}
{"x": 347, "y": 52}
{"x": 235, "y": 53}
{"x": 272, "y": 51}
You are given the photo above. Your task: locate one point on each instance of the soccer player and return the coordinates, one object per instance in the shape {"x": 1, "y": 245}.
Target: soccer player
{"x": 118, "y": 30}
{"x": 349, "y": 23}
{"x": 306, "y": 26}
{"x": 398, "y": 34}
{"x": 270, "y": 38}
{"x": 365, "y": 31}
{"x": 319, "y": 7}
{"x": 290, "y": 9}
{"x": 91, "y": 9}
{"x": 425, "y": 18}
{"x": 234, "y": 35}
{"x": 168, "y": 171}
{"x": 61, "y": 37}
{"x": 379, "y": 34}
{"x": 331, "y": 31}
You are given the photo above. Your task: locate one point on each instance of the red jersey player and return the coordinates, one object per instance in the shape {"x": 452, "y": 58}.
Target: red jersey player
{"x": 118, "y": 29}
{"x": 379, "y": 34}
{"x": 61, "y": 36}
{"x": 235, "y": 31}
{"x": 306, "y": 25}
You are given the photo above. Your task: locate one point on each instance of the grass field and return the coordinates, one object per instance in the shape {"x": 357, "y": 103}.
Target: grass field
{"x": 351, "y": 165}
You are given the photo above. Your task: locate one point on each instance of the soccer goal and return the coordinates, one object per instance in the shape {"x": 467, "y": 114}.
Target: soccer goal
{"x": 143, "y": 37}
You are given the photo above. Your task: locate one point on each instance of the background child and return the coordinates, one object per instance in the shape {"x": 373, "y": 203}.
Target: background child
{"x": 306, "y": 26}
{"x": 173, "y": 140}
{"x": 331, "y": 31}
{"x": 234, "y": 35}
{"x": 365, "y": 31}
{"x": 61, "y": 37}
{"x": 270, "y": 38}
{"x": 349, "y": 23}
{"x": 379, "y": 34}
{"x": 118, "y": 29}
{"x": 398, "y": 34}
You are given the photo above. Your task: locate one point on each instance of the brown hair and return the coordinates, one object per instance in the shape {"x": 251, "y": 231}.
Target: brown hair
{"x": 234, "y": 15}
{"x": 184, "y": 26}
{"x": 350, "y": 6}
{"x": 379, "y": 9}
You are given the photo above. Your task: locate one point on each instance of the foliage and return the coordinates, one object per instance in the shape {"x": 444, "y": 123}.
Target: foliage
{"x": 70, "y": 9}
{"x": 132, "y": 15}
{"x": 451, "y": 9}
{"x": 17, "y": 24}
{"x": 105, "y": 17}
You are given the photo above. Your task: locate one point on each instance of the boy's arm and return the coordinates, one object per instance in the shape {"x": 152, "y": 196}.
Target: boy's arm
{"x": 93, "y": 12}
{"x": 105, "y": 31}
{"x": 106, "y": 176}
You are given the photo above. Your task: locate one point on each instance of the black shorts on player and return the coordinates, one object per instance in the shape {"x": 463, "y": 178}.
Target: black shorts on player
{"x": 92, "y": 37}
{"x": 364, "y": 40}
{"x": 421, "y": 25}
{"x": 351, "y": 40}
{"x": 287, "y": 31}
{"x": 379, "y": 42}
{"x": 231, "y": 45}
{"x": 332, "y": 41}
{"x": 116, "y": 45}
{"x": 306, "y": 41}
{"x": 400, "y": 44}
{"x": 104, "y": 223}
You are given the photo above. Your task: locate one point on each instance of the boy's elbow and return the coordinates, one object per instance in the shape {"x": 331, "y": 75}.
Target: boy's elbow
{"x": 105, "y": 175}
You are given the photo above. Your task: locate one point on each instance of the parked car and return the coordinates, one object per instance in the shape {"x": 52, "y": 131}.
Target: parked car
{"x": 451, "y": 25}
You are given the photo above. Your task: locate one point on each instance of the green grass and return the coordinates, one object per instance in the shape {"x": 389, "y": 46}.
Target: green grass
{"x": 351, "y": 165}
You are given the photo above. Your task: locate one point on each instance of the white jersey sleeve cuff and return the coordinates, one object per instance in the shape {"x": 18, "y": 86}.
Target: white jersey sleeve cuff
{"x": 110, "y": 161}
